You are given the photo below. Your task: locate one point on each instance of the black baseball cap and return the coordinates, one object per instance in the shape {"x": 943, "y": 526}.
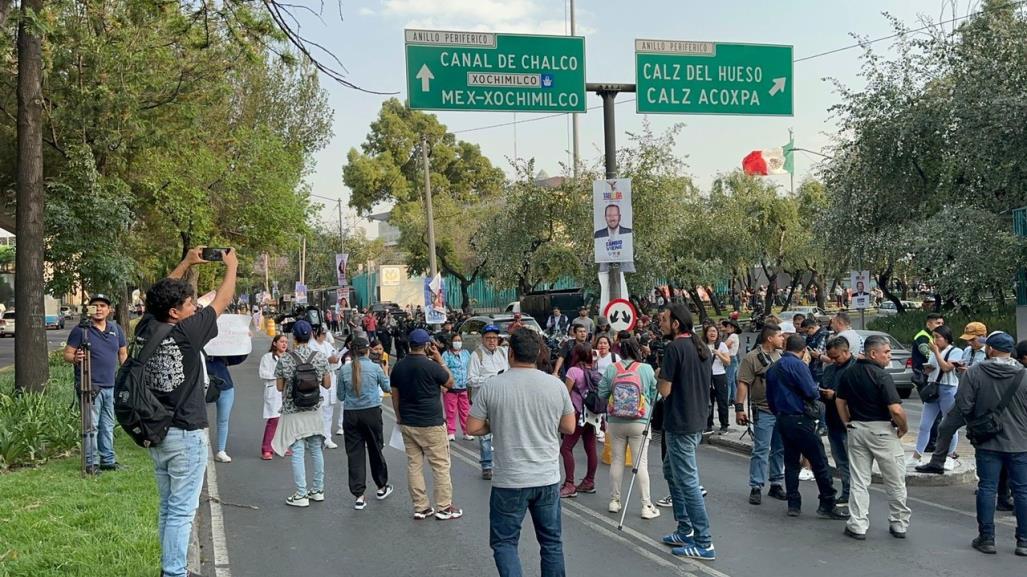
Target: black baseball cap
{"x": 100, "y": 297}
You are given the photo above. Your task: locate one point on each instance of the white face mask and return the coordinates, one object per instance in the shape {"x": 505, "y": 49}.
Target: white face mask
{"x": 457, "y": 345}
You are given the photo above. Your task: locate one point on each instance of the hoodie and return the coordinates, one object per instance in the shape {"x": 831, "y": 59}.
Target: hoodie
{"x": 980, "y": 391}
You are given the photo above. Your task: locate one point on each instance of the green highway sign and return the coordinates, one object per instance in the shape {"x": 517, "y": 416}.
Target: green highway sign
{"x": 683, "y": 77}
{"x": 489, "y": 71}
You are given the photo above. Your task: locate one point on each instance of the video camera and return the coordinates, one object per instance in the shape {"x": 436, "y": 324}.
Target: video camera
{"x": 310, "y": 313}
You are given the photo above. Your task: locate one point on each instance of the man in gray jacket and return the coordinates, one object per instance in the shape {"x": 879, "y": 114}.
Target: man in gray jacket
{"x": 980, "y": 392}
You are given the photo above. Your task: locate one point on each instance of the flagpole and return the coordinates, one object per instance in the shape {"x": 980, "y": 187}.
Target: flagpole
{"x": 791, "y": 175}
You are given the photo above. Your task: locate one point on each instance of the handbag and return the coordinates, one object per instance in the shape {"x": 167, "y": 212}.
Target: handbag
{"x": 931, "y": 391}
{"x": 988, "y": 426}
{"x": 214, "y": 389}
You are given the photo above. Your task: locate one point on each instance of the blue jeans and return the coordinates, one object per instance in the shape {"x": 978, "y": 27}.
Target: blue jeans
{"x": 840, "y": 451}
{"x": 946, "y": 400}
{"x": 732, "y": 379}
{"x": 225, "y": 402}
{"x": 682, "y": 473}
{"x": 313, "y": 444}
{"x": 485, "y": 444}
{"x": 989, "y": 465}
{"x": 506, "y": 515}
{"x": 180, "y": 461}
{"x": 101, "y": 440}
{"x": 767, "y": 448}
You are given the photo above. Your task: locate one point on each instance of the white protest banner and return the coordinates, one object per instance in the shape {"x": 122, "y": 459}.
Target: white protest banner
{"x": 234, "y": 337}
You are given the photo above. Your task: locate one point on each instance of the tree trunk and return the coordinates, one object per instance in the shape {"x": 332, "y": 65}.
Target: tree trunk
{"x": 699, "y": 305}
{"x": 718, "y": 309}
{"x": 818, "y": 282}
{"x": 124, "y": 310}
{"x": 796, "y": 279}
{"x": 883, "y": 280}
{"x": 465, "y": 293}
{"x": 31, "y": 370}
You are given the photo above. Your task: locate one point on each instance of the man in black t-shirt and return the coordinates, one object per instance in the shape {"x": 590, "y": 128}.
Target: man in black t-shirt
{"x": 563, "y": 362}
{"x": 417, "y": 384}
{"x": 870, "y": 407}
{"x": 175, "y": 374}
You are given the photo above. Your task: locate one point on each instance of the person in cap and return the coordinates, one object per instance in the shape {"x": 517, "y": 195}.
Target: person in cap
{"x": 417, "y": 385}
{"x": 107, "y": 350}
{"x": 583, "y": 320}
{"x": 603, "y": 328}
{"x": 974, "y": 335}
{"x": 360, "y": 389}
{"x": 488, "y": 360}
{"x": 302, "y": 428}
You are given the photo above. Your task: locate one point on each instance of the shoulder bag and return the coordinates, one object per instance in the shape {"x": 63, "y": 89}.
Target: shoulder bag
{"x": 930, "y": 392}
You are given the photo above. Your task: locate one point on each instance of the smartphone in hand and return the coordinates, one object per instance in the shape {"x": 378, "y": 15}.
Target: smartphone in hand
{"x": 214, "y": 254}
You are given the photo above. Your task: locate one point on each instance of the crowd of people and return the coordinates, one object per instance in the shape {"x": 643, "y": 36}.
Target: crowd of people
{"x": 529, "y": 404}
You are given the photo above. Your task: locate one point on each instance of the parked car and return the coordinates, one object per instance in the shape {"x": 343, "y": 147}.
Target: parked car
{"x": 887, "y": 308}
{"x": 7, "y": 324}
{"x": 470, "y": 330}
{"x": 901, "y": 367}
{"x": 815, "y": 312}
{"x": 66, "y": 312}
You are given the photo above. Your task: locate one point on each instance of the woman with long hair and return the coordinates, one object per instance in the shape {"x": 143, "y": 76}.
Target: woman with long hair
{"x": 361, "y": 385}
{"x": 272, "y": 396}
{"x": 580, "y": 377}
{"x": 721, "y": 360}
{"x": 604, "y": 353}
{"x": 941, "y": 364}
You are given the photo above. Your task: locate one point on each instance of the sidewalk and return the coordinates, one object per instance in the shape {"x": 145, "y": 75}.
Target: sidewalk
{"x": 964, "y": 472}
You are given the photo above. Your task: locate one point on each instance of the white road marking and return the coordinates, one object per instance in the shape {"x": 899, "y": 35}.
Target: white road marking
{"x": 217, "y": 521}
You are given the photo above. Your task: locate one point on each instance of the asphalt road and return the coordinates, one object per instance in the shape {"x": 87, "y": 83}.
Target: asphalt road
{"x": 266, "y": 538}
{"x": 55, "y": 339}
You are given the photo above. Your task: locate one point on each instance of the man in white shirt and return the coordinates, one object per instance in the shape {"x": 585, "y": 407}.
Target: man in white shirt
{"x": 843, "y": 328}
{"x": 488, "y": 360}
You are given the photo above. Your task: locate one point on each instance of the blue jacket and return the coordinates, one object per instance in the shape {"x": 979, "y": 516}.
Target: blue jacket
{"x": 373, "y": 382}
{"x": 789, "y": 385}
{"x": 458, "y": 364}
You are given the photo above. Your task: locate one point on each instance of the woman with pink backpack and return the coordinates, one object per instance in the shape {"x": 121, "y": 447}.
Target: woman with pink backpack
{"x": 630, "y": 386}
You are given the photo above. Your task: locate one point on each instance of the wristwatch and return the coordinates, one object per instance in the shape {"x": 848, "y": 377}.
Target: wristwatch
{"x": 739, "y": 408}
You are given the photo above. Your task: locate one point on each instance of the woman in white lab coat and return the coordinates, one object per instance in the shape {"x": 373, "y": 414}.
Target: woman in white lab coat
{"x": 324, "y": 343}
{"x": 272, "y": 396}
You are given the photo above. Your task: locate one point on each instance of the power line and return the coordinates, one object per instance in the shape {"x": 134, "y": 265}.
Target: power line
{"x": 803, "y": 59}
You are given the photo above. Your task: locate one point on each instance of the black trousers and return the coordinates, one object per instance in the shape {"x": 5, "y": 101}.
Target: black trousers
{"x": 362, "y": 430}
{"x": 720, "y": 400}
{"x": 799, "y": 435}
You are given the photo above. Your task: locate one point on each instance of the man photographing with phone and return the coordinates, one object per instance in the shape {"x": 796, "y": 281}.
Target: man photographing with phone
{"x": 105, "y": 343}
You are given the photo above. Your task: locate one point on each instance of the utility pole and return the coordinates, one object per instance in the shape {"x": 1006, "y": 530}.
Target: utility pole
{"x": 574, "y": 118}
{"x": 428, "y": 210}
{"x": 791, "y": 151}
{"x": 342, "y": 238}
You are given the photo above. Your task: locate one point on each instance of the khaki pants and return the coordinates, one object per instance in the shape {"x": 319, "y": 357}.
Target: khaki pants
{"x": 431, "y": 443}
{"x": 620, "y": 436}
{"x": 870, "y": 441}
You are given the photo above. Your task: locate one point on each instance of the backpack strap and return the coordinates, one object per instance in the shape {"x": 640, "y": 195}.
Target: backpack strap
{"x": 158, "y": 336}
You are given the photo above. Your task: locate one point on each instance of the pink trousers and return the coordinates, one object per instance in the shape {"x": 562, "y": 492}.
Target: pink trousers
{"x": 457, "y": 404}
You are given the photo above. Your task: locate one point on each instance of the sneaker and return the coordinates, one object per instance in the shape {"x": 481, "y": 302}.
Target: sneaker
{"x": 567, "y": 491}
{"x": 383, "y": 493}
{"x": 724, "y": 429}
{"x": 777, "y": 492}
{"x": 221, "y": 457}
{"x": 601, "y": 436}
{"x": 913, "y": 461}
{"x": 587, "y": 487}
{"x": 451, "y": 512}
{"x": 930, "y": 468}
{"x": 793, "y": 512}
{"x": 649, "y": 511}
{"x": 1021, "y": 548}
{"x": 330, "y": 444}
{"x": 265, "y": 456}
{"x": 298, "y": 500}
{"x": 1004, "y": 505}
{"x": 360, "y": 503}
{"x": 703, "y": 491}
{"x": 419, "y": 515}
{"x": 341, "y": 431}
{"x": 317, "y": 496}
{"x": 832, "y": 513}
{"x": 667, "y": 501}
{"x": 486, "y": 474}
{"x": 951, "y": 464}
{"x": 451, "y": 438}
{"x": 614, "y": 506}
{"x": 855, "y": 535}
{"x": 696, "y": 552}
{"x": 113, "y": 466}
{"x": 806, "y": 475}
{"x": 469, "y": 437}
{"x": 678, "y": 540}
{"x": 755, "y": 496}
{"x": 896, "y": 533}
{"x": 708, "y": 431}
{"x": 984, "y": 545}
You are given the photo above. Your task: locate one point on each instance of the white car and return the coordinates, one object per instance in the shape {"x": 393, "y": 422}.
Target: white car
{"x": 7, "y": 324}
{"x": 888, "y": 308}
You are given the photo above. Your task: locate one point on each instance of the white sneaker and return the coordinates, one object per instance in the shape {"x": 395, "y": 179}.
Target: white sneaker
{"x": 951, "y": 463}
{"x": 298, "y": 500}
{"x": 469, "y": 437}
{"x": 614, "y": 506}
{"x": 330, "y": 444}
{"x": 451, "y": 437}
{"x": 650, "y": 512}
{"x": 806, "y": 475}
{"x": 601, "y": 436}
{"x": 222, "y": 457}
{"x": 912, "y": 461}
{"x": 340, "y": 431}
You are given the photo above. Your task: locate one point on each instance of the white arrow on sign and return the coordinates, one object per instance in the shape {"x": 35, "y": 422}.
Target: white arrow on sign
{"x": 425, "y": 76}
{"x": 779, "y": 85}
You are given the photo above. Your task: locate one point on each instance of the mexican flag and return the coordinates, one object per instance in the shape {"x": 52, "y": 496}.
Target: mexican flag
{"x": 778, "y": 160}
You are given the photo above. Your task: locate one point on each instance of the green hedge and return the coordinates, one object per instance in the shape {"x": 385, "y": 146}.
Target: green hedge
{"x": 37, "y": 427}
{"x": 903, "y": 327}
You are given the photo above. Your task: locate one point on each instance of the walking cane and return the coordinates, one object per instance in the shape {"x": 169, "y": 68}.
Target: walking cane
{"x": 634, "y": 467}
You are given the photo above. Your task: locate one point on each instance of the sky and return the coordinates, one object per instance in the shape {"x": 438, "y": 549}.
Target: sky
{"x": 368, "y": 39}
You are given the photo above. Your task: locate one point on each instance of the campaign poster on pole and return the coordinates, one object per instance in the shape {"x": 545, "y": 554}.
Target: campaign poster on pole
{"x": 435, "y": 300}
{"x": 612, "y": 221}
{"x": 860, "y": 280}
{"x": 301, "y": 293}
{"x": 342, "y": 293}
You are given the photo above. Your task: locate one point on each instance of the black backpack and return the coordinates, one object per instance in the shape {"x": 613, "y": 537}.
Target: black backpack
{"x": 306, "y": 387}
{"x": 136, "y": 407}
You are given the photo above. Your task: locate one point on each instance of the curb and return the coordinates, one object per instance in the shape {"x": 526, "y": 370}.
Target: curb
{"x": 964, "y": 474}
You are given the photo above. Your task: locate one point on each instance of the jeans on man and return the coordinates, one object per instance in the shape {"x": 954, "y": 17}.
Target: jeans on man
{"x": 681, "y": 470}
{"x": 840, "y": 451}
{"x": 180, "y": 461}
{"x": 485, "y": 447}
{"x": 101, "y": 439}
{"x": 989, "y": 463}
{"x": 799, "y": 434}
{"x": 314, "y": 444}
{"x": 506, "y": 516}
{"x": 766, "y": 449}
